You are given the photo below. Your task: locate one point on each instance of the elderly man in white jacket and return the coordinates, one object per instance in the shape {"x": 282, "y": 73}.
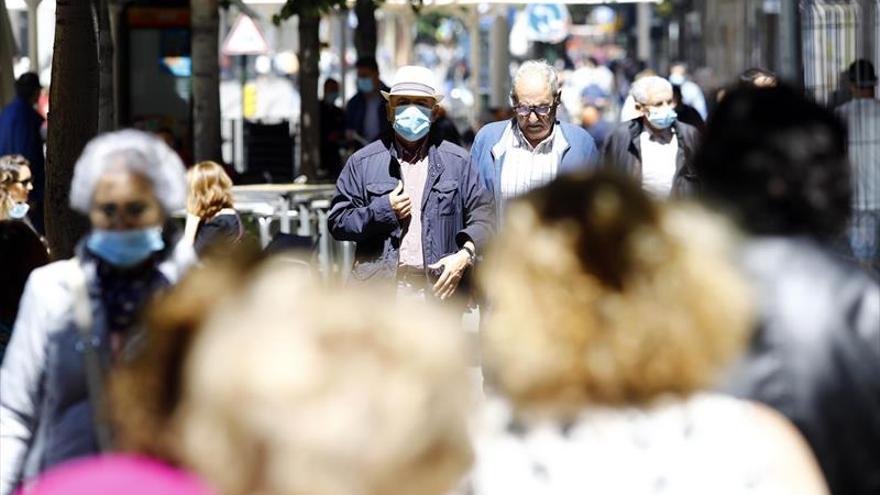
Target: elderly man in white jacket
{"x": 76, "y": 315}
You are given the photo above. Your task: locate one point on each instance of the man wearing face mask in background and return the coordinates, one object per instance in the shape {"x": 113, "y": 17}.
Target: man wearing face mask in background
{"x": 365, "y": 113}
{"x": 655, "y": 148}
{"x": 412, "y": 202}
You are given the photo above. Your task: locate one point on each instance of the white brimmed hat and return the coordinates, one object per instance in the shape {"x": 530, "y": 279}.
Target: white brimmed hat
{"x": 412, "y": 80}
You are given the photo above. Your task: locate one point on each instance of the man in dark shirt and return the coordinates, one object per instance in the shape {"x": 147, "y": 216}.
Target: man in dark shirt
{"x": 20, "y": 134}
{"x": 365, "y": 114}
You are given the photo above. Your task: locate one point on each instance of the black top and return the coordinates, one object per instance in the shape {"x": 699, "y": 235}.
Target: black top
{"x": 222, "y": 228}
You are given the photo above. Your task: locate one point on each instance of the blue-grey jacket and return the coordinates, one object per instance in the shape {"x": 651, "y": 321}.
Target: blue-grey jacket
{"x": 455, "y": 207}
{"x": 580, "y": 155}
{"x": 45, "y": 413}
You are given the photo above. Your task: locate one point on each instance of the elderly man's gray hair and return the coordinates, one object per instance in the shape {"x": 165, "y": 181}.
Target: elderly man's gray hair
{"x": 540, "y": 67}
{"x": 133, "y": 151}
{"x": 642, "y": 87}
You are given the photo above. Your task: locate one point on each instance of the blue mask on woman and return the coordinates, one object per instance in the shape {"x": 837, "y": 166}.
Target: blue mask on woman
{"x": 365, "y": 85}
{"x": 125, "y": 248}
{"x": 19, "y": 210}
{"x": 661, "y": 118}
{"x": 412, "y": 122}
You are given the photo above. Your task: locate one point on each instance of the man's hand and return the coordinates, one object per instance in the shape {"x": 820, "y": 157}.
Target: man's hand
{"x": 400, "y": 201}
{"x": 453, "y": 267}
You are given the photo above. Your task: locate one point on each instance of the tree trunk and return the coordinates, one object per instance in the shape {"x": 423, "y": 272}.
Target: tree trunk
{"x": 310, "y": 126}
{"x": 73, "y": 118}
{"x": 365, "y": 35}
{"x": 7, "y": 49}
{"x": 206, "y": 80}
{"x": 106, "y": 110}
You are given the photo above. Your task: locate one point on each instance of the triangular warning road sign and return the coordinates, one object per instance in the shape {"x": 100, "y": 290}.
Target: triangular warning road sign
{"x": 245, "y": 38}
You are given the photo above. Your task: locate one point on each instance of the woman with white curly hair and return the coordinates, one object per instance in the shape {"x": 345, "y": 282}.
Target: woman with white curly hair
{"x": 613, "y": 316}
{"x": 76, "y": 315}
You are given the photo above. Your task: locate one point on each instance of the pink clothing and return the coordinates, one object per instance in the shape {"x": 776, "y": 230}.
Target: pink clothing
{"x": 114, "y": 475}
{"x": 414, "y": 177}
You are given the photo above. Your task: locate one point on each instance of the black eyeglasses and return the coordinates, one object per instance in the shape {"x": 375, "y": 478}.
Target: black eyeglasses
{"x": 540, "y": 110}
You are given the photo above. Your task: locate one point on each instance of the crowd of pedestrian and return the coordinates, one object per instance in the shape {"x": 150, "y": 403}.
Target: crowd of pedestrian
{"x": 685, "y": 301}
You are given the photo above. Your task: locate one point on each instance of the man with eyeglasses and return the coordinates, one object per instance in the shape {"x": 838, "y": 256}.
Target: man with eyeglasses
{"x": 518, "y": 155}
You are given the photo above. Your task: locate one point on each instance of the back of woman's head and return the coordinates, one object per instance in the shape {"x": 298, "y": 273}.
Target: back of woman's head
{"x": 21, "y": 251}
{"x": 602, "y": 296}
{"x": 210, "y": 189}
{"x": 293, "y": 389}
{"x": 778, "y": 162}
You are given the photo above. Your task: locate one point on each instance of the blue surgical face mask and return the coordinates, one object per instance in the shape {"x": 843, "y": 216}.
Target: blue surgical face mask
{"x": 676, "y": 79}
{"x": 661, "y": 118}
{"x": 331, "y": 97}
{"x": 412, "y": 122}
{"x": 365, "y": 85}
{"x": 125, "y": 248}
{"x": 19, "y": 210}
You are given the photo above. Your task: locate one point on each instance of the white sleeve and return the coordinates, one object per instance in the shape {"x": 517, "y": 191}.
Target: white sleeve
{"x": 20, "y": 378}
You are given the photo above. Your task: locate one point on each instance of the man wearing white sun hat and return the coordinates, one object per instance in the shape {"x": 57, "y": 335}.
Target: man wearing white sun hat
{"x": 412, "y": 202}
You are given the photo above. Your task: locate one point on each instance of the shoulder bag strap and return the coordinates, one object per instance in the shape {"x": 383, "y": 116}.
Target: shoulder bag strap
{"x": 82, "y": 314}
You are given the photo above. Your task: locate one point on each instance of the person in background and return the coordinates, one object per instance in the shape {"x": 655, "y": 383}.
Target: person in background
{"x": 517, "y": 155}
{"x": 777, "y": 163}
{"x": 20, "y": 134}
{"x": 691, "y": 94}
{"x": 596, "y": 126}
{"x": 211, "y": 217}
{"x": 78, "y": 316}
{"x": 612, "y": 318}
{"x": 16, "y": 184}
{"x": 332, "y": 130}
{"x": 366, "y": 113}
{"x": 414, "y": 204}
{"x": 862, "y": 118}
{"x": 20, "y": 253}
{"x": 657, "y": 148}
{"x": 686, "y": 113}
{"x": 377, "y": 402}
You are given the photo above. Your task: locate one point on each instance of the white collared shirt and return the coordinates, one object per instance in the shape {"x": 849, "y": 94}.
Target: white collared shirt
{"x": 658, "y": 164}
{"x": 526, "y": 167}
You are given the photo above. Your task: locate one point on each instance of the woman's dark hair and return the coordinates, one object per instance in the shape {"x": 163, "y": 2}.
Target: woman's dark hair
{"x": 778, "y": 162}
{"x": 21, "y": 251}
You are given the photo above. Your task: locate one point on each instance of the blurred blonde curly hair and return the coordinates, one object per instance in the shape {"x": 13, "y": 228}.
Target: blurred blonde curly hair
{"x": 294, "y": 389}
{"x": 601, "y": 296}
